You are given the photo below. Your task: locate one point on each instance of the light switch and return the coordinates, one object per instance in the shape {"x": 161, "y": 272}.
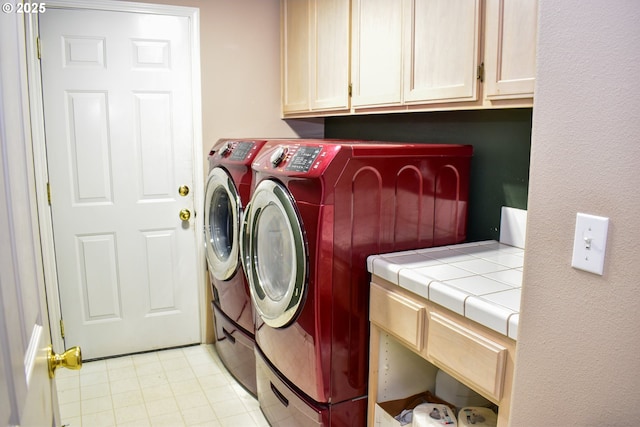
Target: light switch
{"x": 590, "y": 242}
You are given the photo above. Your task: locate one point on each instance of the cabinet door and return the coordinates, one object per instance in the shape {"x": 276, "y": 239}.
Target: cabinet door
{"x": 441, "y": 50}
{"x": 330, "y": 54}
{"x": 510, "y": 48}
{"x": 295, "y": 55}
{"x": 401, "y": 316}
{"x": 376, "y": 56}
{"x": 467, "y": 355}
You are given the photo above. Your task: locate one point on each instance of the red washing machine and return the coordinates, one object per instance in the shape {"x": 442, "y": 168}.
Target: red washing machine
{"x": 319, "y": 208}
{"x": 226, "y": 195}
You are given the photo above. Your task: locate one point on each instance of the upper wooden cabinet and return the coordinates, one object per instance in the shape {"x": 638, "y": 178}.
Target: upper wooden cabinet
{"x": 376, "y": 52}
{"x": 510, "y": 49}
{"x": 407, "y": 55}
{"x": 441, "y": 47}
{"x": 414, "y": 51}
{"x": 295, "y": 55}
{"x": 315, "y": 55}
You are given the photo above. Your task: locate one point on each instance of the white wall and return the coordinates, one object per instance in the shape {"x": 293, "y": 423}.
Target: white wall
{"x": 578, "y": 356}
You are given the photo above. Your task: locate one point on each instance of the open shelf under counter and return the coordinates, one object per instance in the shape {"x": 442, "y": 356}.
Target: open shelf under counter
{"x": 454, "y": 308}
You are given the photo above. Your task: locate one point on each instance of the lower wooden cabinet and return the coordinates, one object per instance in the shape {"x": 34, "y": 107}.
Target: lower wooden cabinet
{"x": 427, "y": 337}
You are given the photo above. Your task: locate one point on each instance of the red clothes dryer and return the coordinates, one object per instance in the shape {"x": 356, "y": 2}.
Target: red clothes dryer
{"x": 319, "y": 208}
{"x": 226, "y": 195}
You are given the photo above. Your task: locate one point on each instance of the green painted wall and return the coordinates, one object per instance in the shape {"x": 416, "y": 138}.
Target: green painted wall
{"x": 501, "y": 142}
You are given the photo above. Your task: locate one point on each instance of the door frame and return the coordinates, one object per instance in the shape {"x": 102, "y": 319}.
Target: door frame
{"x": 40, "y": 157}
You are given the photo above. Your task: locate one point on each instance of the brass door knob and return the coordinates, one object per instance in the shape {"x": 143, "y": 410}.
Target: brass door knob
{"x": 70, "y": 359}
{"x": 183, "y": 190}
{"x": 185, "y": 214}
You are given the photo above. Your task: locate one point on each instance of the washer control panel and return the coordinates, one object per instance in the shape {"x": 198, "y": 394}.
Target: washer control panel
{"x": 236, "y": 150}
{"x": 241, "y": 150}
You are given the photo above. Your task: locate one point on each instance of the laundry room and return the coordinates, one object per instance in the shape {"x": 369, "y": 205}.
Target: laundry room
{"x": 286, "y": 213}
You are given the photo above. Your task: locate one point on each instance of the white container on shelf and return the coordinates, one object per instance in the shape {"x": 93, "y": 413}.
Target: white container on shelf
{"x": 477, "y": 417}
{"x": 456, "y": 393}
{"x": 433, "y": 415}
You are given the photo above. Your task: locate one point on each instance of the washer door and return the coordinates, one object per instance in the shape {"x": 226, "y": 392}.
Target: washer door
{"x": 222, "y": 211}
{"x": 275, "y": 254}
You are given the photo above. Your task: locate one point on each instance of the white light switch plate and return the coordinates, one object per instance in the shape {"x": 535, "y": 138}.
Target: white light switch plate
{"x": 590, "y": 242}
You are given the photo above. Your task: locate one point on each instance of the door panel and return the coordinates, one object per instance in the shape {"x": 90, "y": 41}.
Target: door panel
{"x": 89, "y": 148}
{"x": 120, "y": 139}
{"x": 153, "y": 116}
{"x": 98, "y": 270}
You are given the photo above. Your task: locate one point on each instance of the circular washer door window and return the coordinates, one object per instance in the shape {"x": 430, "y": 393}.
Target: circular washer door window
{"x": 277, "y": 257}
{"x": 222, "y": 222}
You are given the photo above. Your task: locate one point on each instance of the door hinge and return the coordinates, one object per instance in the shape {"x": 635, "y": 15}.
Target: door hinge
{"x": 350, "y": 89}
{"x": 49, "y": 194}
{"x": 38, "y": 47}
{"x": 62, "y": 328}
{"x": 481, "y": 72}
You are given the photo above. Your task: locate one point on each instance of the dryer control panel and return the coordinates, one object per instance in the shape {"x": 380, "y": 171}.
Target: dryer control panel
{"x": 293, "y": 158}
{"x": 303, "y": 159}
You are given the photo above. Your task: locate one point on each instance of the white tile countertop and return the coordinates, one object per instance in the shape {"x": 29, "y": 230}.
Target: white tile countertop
{"x": 480, "y": 281}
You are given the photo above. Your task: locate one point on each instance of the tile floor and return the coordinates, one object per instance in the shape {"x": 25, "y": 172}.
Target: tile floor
{"x": 179, "y": 387}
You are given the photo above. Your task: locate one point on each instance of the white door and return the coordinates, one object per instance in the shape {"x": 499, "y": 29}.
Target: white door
{"x": 26, "y": 392}
{"x": 119, "y": 133}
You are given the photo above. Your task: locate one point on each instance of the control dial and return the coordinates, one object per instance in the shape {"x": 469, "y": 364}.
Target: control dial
{"x": 278, "y": 155}
{"x": 227, "y": 149}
